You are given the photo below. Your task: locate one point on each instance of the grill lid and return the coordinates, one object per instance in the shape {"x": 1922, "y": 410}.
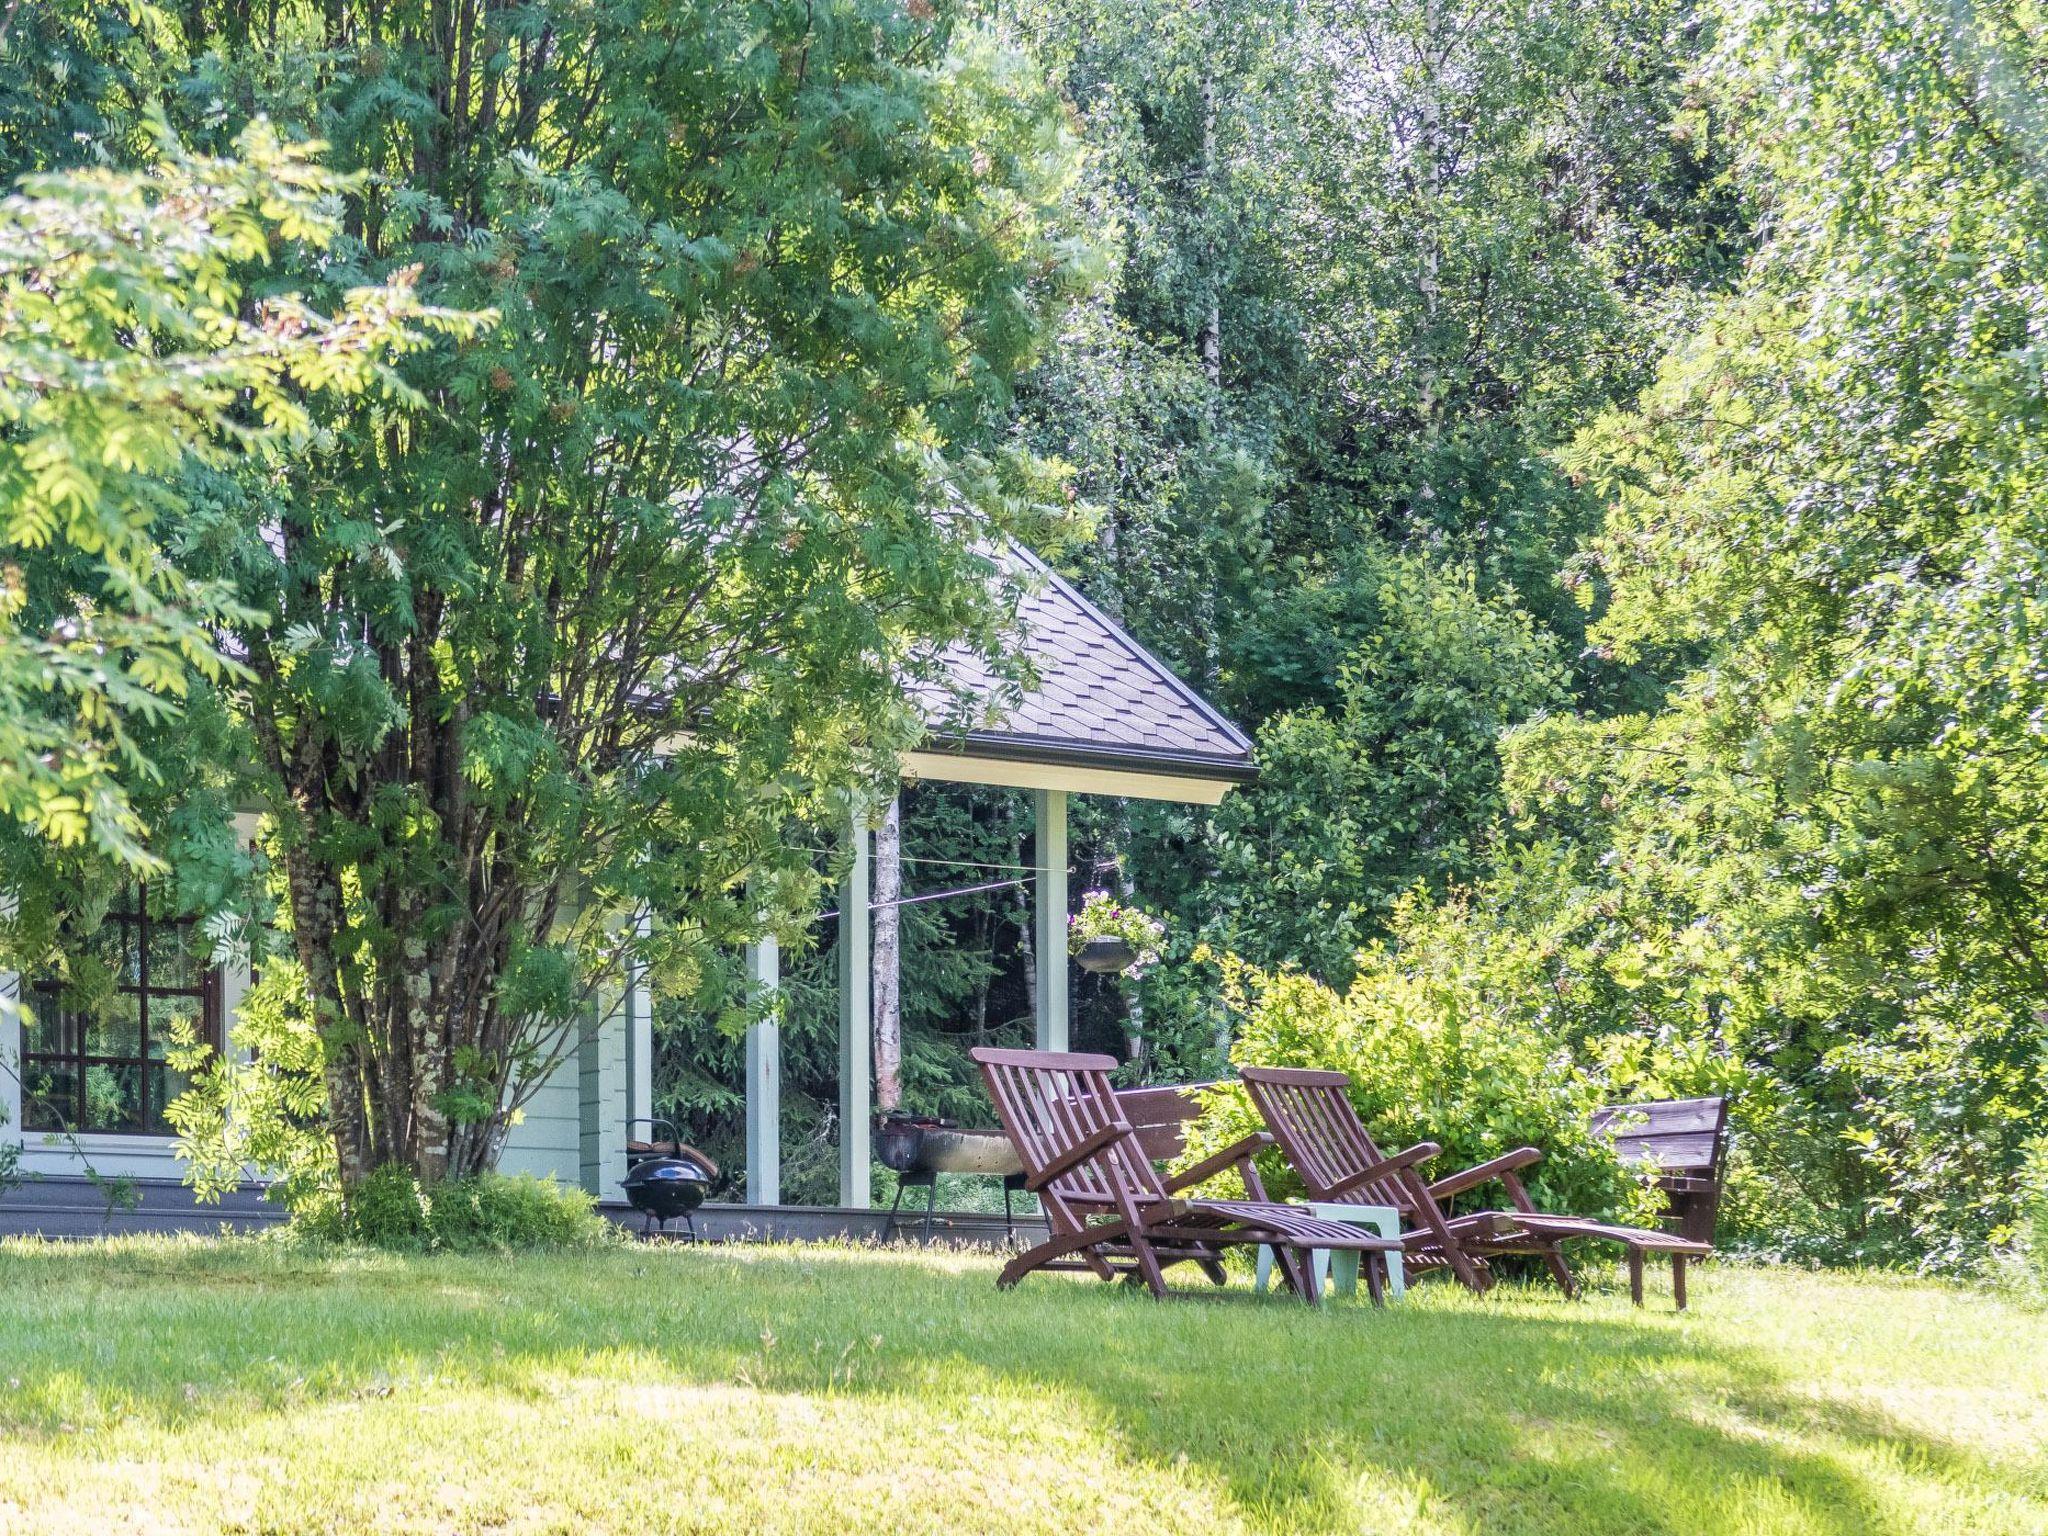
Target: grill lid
{"x": 686, "y": 1169}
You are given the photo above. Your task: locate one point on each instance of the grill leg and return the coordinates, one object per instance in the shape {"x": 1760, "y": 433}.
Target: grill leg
{"x": 889, "y": 1226}
{"x": 1009, "y": 1220}
{"x": 931, "y": 1204}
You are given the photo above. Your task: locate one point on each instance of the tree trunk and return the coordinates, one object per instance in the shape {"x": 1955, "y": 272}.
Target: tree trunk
{"x": 1211, "y": 339}
{"x": 1431, "y": 152}
{"x": 315, "y": 911}
{"x": 1027, "y": 946}
{"x": 888, "y": 954}
{"x": 1207, "y": 625}
{"x": 1134, "y": 1004}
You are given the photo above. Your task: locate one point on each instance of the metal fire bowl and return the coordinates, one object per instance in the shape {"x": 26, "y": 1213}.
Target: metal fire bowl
{"x": 968, "y": 1151}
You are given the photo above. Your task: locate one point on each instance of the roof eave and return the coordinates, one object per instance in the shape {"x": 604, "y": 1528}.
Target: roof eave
{"x": 996, "y": 746}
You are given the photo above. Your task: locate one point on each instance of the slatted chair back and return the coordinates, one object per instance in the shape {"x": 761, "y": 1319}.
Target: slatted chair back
{"x": 1161, "y": 1116}
{"x": 1051, "y": 1103}
{"x": 1311, "y": 1116}
{"x": 1678, "y": 1136}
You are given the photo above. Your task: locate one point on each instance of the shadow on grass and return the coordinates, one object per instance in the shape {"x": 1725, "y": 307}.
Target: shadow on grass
{"x": 1529, "y": 1414}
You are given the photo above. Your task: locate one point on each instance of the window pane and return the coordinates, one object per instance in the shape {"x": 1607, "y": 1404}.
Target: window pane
{"x": 117, "y": 946}
{"x": 46, "y": 1027}
{"x": 116, "y": 1028}
{"x": 173, "y": 955}
{"x": 99, "y": 1065}
{"x": 49, "y": 1096}
{"x": 165, "y": 1084}
{"x": 166, "y": 1015}
{"x": 113, "y": 1098}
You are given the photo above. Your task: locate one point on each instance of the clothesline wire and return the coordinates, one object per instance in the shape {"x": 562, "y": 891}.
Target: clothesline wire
{"x": 912, "y": 858}
{"x": 924, "y": 896}
{"x": 1026, "y": 869}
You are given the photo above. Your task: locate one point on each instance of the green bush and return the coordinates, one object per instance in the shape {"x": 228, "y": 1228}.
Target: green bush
{"x": 2023, "y": 1267}
{"x": 388, "y": 1210}
{"x": 491, "y": 1212}
{"x": 494, "y": 1211}
{"x": 2035, "y": 1227}
{"x": 1431, "y": 1057}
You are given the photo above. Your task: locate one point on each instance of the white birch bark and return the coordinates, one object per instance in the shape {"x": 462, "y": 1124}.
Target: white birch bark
{"x": 888, "y": 1000}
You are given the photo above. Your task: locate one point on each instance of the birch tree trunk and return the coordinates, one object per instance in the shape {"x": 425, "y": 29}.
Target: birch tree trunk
{"x": 1431, "y": 151}
{"x": 1134, "y": 1002}
{"x": 1211, "y": 339}
{"x": 1211, "y": 344}
{"x": 888, "y": 998}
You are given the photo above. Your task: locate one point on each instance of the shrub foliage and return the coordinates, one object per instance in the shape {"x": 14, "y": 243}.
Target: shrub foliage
{"x": 490, "y": 1212}
{"x": 1433, "y": 1054}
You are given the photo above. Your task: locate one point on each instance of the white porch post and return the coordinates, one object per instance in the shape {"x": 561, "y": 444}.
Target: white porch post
{"x": 855, "y": 1023}
{"x": 239, "y": 973}
{"x": 10, "y": 1045}
{"x": 764, "y": 1078}
{"x": 639, "y": 1008}
{"x": 1049, "y": 906}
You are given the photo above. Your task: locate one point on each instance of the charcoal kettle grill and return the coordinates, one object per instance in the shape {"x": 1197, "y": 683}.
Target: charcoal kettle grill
{"x": 667, "y": 1187}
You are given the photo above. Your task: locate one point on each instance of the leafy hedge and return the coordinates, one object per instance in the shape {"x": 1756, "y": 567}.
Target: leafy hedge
{"x": 1430, "y": 1058}
{"x": 490, "y": 1212}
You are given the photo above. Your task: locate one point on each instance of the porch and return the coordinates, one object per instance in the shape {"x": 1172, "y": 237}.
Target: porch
{"x": 70, "y": 1207}
{"x": 1105, "y": 717}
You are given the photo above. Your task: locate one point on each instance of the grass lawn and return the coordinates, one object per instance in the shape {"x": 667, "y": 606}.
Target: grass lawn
{"x": 161, "y": 1386}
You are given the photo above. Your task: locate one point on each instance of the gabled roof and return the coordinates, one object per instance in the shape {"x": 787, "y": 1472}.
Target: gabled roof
{"x": 1101, "y": 700}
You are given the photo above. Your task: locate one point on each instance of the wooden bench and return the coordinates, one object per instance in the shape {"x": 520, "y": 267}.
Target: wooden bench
{"x": 1161, "y": 1116}
{"x": 1686, "y": 1141}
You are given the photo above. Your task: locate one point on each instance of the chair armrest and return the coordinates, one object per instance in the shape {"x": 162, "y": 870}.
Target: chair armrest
{"x": 1421, "y": 1152}
{"x": 1499, "y": 1168}
{"x": 1077, "y": 1154}
{"x": 1210, "y": 1166}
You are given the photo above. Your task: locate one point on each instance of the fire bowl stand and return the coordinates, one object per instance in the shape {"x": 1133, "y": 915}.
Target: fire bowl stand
{"x": 928, "y": 1181}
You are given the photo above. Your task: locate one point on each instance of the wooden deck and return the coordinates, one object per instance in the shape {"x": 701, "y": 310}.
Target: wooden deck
{"x": 72, "y": 1208}
{"x": 718, "y": 1223}
{"x": 66, "y": 1207}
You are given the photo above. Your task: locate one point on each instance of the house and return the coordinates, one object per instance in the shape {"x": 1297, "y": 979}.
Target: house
{"x": 1104, "y": 717}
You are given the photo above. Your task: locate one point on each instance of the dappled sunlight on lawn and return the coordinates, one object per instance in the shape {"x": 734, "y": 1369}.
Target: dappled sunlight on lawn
{"x": 180, "y": 1387}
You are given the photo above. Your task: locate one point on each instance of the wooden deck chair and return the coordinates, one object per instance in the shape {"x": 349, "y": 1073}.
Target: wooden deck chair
{"x": 1109, "y": 1209}
{"x": 1311, "y": 1116}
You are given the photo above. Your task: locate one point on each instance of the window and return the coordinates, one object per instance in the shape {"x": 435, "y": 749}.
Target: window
{"x": 92, "y": 1054}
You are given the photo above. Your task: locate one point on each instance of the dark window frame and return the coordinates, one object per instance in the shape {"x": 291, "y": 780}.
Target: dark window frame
{"x": 39, "y": 1112}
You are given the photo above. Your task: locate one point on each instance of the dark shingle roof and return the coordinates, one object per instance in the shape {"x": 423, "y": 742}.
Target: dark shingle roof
{"x": 1101, "y": 698}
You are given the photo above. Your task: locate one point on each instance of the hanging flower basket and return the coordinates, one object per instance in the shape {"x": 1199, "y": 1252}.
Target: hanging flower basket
{"x": 1109, "y": 937}
{"x": 1105, "y": 956}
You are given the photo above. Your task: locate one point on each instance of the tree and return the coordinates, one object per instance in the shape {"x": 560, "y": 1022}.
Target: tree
{"x": 644, "y": 582}
{"x": 1397, "y": 786}
{"x": 1440, "y": 239}
{"x": 76, "y": 83}
{"x": 128, "y": 358}
{"x": 127, "y": 353}
{"x": 1824, "y": 527}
